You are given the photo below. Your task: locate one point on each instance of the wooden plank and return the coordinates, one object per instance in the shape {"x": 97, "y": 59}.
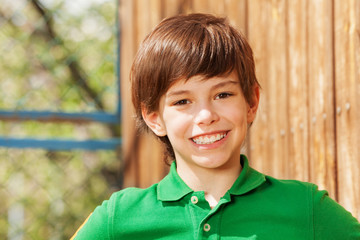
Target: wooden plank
{"x": 298, "y": 90}
{"x": 156, "y": 12}
{"x": 347, "y": 81}
{"x": 216, "y": 7}
{"x": 175, "y": 7}
{"x": 269, "y": 138}
{"x": 278, "y": 89}
{"x": 201, "y": 6}
{"x": 143, "y": 27}
{"x": 236, "y": 11}
{"x": 321, "y": 96}
{"x": 142, "y": 19}
{"x": 127, "y": 52}
{"x": 259, "y": 132}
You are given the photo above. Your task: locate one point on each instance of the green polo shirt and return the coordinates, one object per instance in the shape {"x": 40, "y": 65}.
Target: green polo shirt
{"x": 255, "y": 207}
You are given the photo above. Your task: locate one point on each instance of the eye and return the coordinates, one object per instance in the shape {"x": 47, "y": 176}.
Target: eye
{"x": 223, "y": 95}
{"x": 182, "y": 102}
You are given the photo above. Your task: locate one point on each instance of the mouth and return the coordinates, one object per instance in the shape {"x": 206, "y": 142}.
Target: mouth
{"x": 209, "y": 138}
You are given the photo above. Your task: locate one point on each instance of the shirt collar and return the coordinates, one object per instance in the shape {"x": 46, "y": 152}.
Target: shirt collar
{"x": 173, "y": 188}
{"x": 248, "y": 179}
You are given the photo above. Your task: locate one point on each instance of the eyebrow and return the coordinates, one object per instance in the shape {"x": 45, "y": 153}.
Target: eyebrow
{"x": 222, "y": 84}
{"x": 177, "y": 93}
{"x": 216, "y": 86}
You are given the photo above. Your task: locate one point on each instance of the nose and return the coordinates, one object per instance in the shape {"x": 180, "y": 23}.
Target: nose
{"x": 206, "y": 115}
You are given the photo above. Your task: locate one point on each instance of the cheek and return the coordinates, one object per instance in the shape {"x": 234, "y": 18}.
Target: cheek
{"x": 240, "y": 120}
{"x": 176, "y": 123}
{"x": 237, "y": 113}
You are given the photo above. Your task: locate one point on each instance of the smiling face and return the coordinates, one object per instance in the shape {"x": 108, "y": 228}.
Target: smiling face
{"x": 206, "y": 120}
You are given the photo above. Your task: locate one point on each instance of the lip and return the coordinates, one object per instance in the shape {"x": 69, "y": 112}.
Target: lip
{"x": 210, "y": 145}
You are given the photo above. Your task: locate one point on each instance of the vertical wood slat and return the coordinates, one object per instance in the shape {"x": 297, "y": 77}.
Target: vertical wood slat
{"x": 200, "y": 6}
{"x": 347, "y": 76}
{"x": 143, "y": 26}
{"x": 236, "y": 11}
{"x": 297, "y": 90}
{"x": 266, "y": 33}
{"x": 216, "y": 7}
{"x": 277, "y": 86}
{"x": 259, "y": 133}
{"x": 321, "y": 96}
{"x": 127, "y": 28}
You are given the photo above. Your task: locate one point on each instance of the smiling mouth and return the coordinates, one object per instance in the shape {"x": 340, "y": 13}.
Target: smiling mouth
{"x": 209, "y": 139}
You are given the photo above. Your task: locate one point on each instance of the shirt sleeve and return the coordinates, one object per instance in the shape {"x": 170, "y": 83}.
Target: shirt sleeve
{"x": 331, "y": 220}
{"x": 96, "y": 226}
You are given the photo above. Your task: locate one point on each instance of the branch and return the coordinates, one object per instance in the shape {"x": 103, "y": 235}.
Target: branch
{"x": 78, "y": 75}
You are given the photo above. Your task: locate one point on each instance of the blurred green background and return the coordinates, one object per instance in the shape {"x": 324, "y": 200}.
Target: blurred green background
{"x": 56, "y": 55}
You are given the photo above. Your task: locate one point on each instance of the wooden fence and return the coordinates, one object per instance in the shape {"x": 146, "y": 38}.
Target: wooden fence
{"x": 308, "y": 63}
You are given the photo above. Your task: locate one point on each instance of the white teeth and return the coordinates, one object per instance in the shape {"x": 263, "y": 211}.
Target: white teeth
{"x": 208, "y": 139}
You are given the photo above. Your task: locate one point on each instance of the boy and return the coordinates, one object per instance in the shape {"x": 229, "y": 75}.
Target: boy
{"x": 194, "y": 87}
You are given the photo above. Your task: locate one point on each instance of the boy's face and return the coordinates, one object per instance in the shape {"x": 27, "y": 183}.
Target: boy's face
{"x": 206, "y": 121}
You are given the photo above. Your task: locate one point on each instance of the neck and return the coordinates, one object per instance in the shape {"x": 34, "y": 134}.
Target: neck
{"x": 214, "y": 182}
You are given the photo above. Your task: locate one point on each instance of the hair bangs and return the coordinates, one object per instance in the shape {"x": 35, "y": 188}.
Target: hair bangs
{"x": 205, "y": 52}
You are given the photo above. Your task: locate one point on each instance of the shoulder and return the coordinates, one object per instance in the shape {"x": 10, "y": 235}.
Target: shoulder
{"x": 290, "y": 187}
{"x": 288, "y": 196}
{"x": 132, "y": 195}
{"x": 133, "y": 192}
{"x": 329, "y": 220}
{"x": 288, "y": 182}
{"x": 121, "y": 204}
{"x": 298, "y": 192}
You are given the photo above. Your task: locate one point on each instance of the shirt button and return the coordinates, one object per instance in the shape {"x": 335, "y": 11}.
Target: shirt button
{"x": 194, "y": 199}
{"x": 206, "y": 227}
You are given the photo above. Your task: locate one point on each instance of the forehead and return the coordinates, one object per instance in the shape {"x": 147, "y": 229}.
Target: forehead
{"x": 194, "y": 82}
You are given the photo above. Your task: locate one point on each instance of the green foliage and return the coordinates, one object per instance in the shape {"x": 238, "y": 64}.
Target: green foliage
{"x": 38, "y": 51}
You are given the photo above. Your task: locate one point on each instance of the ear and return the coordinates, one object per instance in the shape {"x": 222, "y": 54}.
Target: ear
{"x": 253, "y": 105}
{"x": 154, "y": 122}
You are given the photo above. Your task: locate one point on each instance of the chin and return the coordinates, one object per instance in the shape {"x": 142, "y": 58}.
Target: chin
{"x": 210, "y": 162}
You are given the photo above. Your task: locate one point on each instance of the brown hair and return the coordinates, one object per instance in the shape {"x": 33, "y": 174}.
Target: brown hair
{"x": 184, "y": 46}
